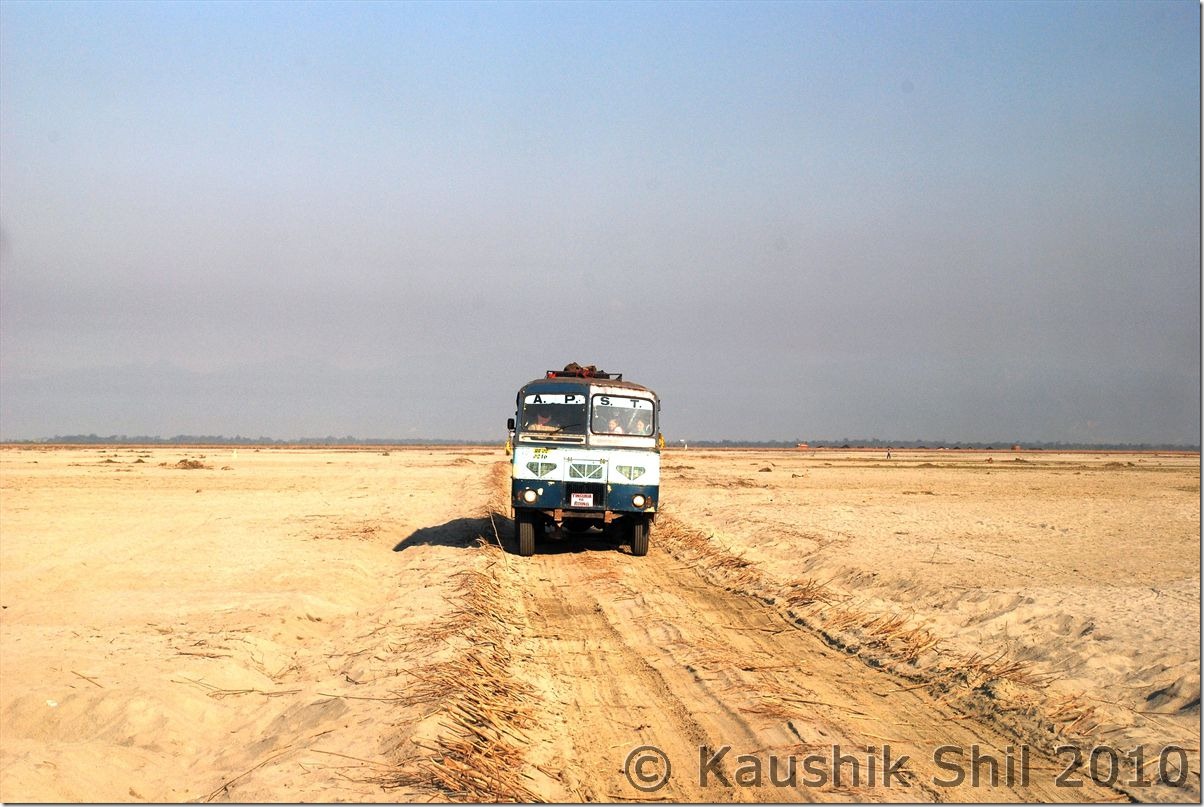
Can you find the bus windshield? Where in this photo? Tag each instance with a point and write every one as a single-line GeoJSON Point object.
{"type": "Point", "coordinates": [620, 414]}
{"type": "Point", "coordinates": [553, 416]}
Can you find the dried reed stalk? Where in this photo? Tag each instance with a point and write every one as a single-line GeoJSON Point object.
{"type": "Point", "coordinates": [482, 708]}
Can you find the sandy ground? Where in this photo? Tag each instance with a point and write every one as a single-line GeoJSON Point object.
{"type": "Point", "coordinates": [1084, 568]}
{"type": "Point", "coordinates": [315, 625]}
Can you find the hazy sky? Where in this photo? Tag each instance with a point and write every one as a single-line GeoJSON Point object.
{"type": "Point", "coordinates": [962, 221]}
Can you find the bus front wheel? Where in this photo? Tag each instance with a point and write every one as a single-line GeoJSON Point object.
{"type": "Point", "coordinates": [639, 537]}
{"type": "Point", "coordinates": [525, 526]}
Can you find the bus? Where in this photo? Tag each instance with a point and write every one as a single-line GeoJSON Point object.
{"type": "Point", "coordinates": [586, 457]}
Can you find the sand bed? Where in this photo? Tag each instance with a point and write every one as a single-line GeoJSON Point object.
{"type": "Point", "coordinates": [253, 625]}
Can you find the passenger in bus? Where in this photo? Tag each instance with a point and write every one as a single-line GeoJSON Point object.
{"type": "Point", "coordinates": [613, 427]}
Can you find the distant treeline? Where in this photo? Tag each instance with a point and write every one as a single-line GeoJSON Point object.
{"type": "Point", "coordinates": [999, 445]}
{"type": "Point", "coordinates": [239, 440]}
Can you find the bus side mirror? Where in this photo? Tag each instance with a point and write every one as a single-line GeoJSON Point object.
{"type": "Point", "coordinates": [510, 424]}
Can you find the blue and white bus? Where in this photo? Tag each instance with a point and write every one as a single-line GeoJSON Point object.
{"type": "Point", "coordinates": [586, 453]}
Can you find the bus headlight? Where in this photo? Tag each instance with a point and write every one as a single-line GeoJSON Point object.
{"type": "Point", "coordinates": [529, 496]}
{"type": "Point", "coordinates": [638, 500]}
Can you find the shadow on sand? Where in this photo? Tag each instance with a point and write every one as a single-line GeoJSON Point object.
{"type": "Point", "coordinates": [463, 533]}
{"type": "Point", "coordinates": [565, 543]}
{"type": "Point", "coordinates": [459, 533]}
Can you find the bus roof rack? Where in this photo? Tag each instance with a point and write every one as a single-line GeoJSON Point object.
{"type": "Point", "coordinates": [575, 370]}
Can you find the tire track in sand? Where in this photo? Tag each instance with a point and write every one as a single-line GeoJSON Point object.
{"type": "Point", "coordinates": [641, 651]}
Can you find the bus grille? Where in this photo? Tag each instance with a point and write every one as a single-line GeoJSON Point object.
{"type": "Point", "coordinates": [586, 470]}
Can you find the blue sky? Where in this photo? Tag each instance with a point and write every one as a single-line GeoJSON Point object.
{"type": "Point", "coordinates": [919, 220]}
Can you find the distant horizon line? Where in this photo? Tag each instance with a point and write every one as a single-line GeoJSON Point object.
{"type": "Point", "coordinates": [840, 443]}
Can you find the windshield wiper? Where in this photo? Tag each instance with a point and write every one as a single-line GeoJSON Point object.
{"type": "Point", "coordinates": [570, 426]}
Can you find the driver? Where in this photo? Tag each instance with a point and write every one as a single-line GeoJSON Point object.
{"type": "Point", "coordinates": [542, 423]}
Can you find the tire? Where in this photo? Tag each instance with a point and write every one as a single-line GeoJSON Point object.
{"type": "Point", "coordinates": [525, 527]}
{"type": "Point", "coordinates": [577, 525]}
{"type": "Point", "coordinates": [639, 537]}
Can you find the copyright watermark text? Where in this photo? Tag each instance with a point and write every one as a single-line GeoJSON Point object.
{"type": "Point", "coordinates": [648, 768]}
